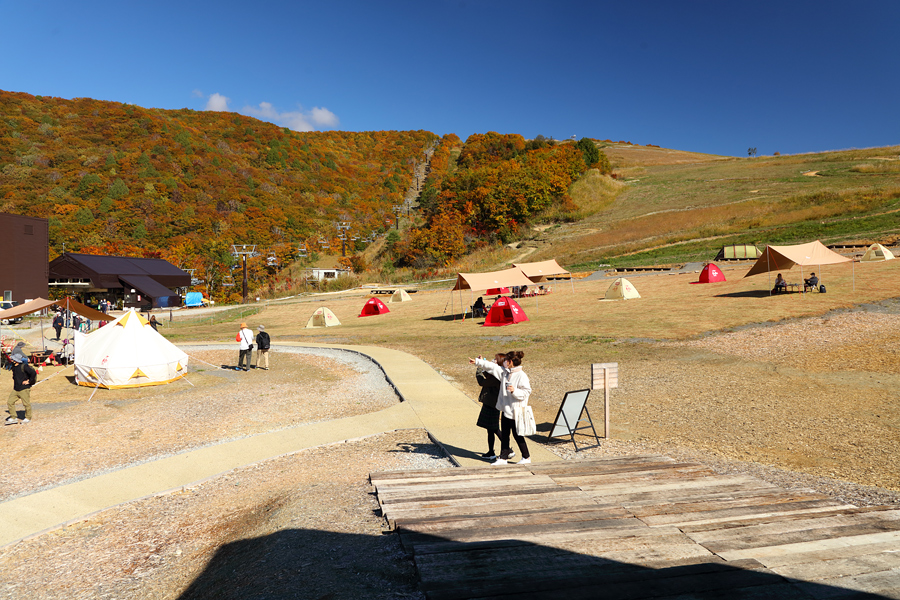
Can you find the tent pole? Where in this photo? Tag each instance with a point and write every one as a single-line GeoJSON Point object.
{"type": "Point", "coordinates": [853, 273]}
{"type": "Point", "coordinates": [768, 271]}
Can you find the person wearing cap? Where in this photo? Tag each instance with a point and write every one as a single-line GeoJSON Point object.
{"type": "Point", "coordinates": [24, 376]}
{"type": "Point", "coordinates": [245, 337]}
{"type": "Point", "coordinates": [262, 347]}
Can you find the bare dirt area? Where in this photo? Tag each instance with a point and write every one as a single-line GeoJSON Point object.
{"type": "Point", "coordinates": [73, 436]}
{"type": "Point", "coordinates": [300, 526]}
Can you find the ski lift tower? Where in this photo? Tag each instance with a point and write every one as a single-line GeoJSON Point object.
{"type": "Point", "coordinates": [342, 228]}
{"type": "Point", "coordinates": [244, 250]}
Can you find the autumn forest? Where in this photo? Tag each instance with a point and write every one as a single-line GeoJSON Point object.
{"type": "Point", "coordinates": [185, 185]}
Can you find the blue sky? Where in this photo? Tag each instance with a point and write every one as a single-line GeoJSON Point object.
{"type": "Point", "coordinates": [715, 77]}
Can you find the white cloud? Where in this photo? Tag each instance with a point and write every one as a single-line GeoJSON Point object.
{"type": "Point", "coordinates": [217, 102]}
{"type": "Point", "coordinates": [300, 120]}
{"type": "Point", "coordinates": [197, 94]}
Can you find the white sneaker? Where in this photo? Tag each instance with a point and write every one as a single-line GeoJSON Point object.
{"type": "Point", "coordinates": [26, 420]}
{"type": "Point", "coordinates": [11, 421]}
{"type": "Point", "coordinates": [500, 461]}
{"type": "Point", "coordinates": [524, 461]}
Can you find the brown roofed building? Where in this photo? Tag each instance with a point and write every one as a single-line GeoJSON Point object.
{"type": "Point", "coordinates": [25, 252]}
{"type": "Point", "coordinates": [124, 280]}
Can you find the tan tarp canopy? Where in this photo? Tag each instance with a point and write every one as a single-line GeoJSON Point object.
{"type": "Point", "coordinates": [495, 279]}
{"type": "Point", "coordinates": [539, 271]}
{"type": "Point", "coordinates": [778, 258]}
{"type": "Point", "coordinates": [26, 309]}
{"type": "Point", "coordinates": [85, 311]}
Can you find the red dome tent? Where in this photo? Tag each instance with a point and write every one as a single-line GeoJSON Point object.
{"type": "Point", "coordinates": [505, 311]}
{"type": "Point", "coordinates": [374, 306]}
{"type": "Point", "coordinates": [710, 274]}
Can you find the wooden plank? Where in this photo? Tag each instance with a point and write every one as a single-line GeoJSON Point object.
{"type": "Point", "coordinates": [782, 554]}
{"type": "Point", "coordinates": [757, 540]}
{"type": "Point", "coordinates": [507, 519]}
{"type": "Point", "coordinates": [571, 576]}
{"type": "Point", "coordinates": [554, 499]}
{"type": "Point", "coordinates": [886, 584]}
{"type": "Point", "coordinates": [474, 493]}
{"type": "Point", "coordinates": [748, 499]}
{"type": "Point", "coordinates": [744, 512]}
{"type": "Point", "coordinates": [522, 531]}
{"type": "Point", "coordinates": [634, 473]}
{"type": "Point", "coordinates": [819, 570]}
{"type": "Point", "coordinates": [598, 465]}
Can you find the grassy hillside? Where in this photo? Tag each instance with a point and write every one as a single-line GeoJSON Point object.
{"type": "Point", "coordinates": [677, 207]}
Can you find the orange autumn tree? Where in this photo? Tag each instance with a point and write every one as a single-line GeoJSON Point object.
{"type": "Point", "coordinates": [502, 181]}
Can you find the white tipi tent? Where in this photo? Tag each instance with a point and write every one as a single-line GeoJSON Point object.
{"type": "Point", "coordinates": [400, 296]}
{"type": "Point", "coordinates": [127, 352]}
{"type": "Point", "coordinates": [877, 252]}
{"type": "Point", "coordinates": [323, 317]}
{"type": "Point", "coordinates": [621, 289]}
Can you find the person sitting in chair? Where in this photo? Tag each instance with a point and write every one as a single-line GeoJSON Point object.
{"type": "Point", "coordinates": [780, 284]}
{"type": "Point", "coordinates": [478, 307]}
{"type": "Point", "coordinates": [811, 283]}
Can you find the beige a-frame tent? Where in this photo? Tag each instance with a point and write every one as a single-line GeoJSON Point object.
{"type": "Point", "coordinates": [399, 296]}
{"type": "Point", "coordinates": [877, 252]}
{"type": "Point", "coordinates": [323, 317]}
{"type": "Point", "coordinates": [621, 289]}
{"type": "Point", "coordinates": [782, 258]}
{"type": "Point", "coordinates": [477, 282]}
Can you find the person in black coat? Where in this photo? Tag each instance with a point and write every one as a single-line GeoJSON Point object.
{"type": "Point", "coordinates": [262, 347]}
{"type": "Point", "coordinates": [489, 417]}
{"type": "Point", "coordinates": [23, 378]}
{"type": "Point", "coordinates": [58, 323]}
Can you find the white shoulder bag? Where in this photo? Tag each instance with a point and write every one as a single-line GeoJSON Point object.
{"type": "Point", "coordinates": [525, 424]}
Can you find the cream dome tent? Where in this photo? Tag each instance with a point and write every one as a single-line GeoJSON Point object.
{"type": "Point", "coordinates": [877, 252]}
{"type": "Point", "coordinates": [399, 296]}
{"type": "Point", "coordinates": [323, 317]}
{"type": "Point", "coordinates": [621, 289]}
{"type": "Point", "coordinates": [127, 352]}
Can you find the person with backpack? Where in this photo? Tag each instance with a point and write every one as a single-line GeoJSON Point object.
{"type": "Point", "coordinates": [262, 347]}
{"type": "Point", "coordinates": [489, 416]}
{"type": "Point", "coordinates": [245, 337]}
{"type": "Point", "coordinates": [24, 376]}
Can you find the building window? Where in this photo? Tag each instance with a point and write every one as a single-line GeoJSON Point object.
{"type": "Point", "coordinates": [7, 296]}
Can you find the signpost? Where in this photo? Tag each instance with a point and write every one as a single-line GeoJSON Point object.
{"type": "Point", "coordinates": [605, 376]}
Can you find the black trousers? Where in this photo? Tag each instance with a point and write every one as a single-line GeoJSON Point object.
{"type": "Point", "coordinates": [508, 426]}
{"type": "Point", "coordinates": [244, 354]}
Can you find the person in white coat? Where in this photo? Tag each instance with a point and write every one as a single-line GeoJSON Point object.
{"type": "Point", "coordinates": [515, 388]}
{"type": "Point", "coordinates": [245, 337]}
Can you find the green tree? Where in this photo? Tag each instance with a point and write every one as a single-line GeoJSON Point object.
{"type": "Point", "coordinates": [590, 151]}
{"type": "Point", "coordinates": [118, 189]}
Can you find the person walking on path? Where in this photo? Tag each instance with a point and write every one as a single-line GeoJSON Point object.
{"type": "Point", "coordinates": [153, 322]}
{"type": "Point", "coordinates": [489, 417]}
{"type": "Point", "coordinates": [515, 388]}
{"type": "Point", "coordinates": [245, 337]}
{"type": "Point", "coordinates": [58, 323]}
{"type": "Point", "coordinates": [262, 347]}
{"type": "Point", "coordinates": [24, 376]}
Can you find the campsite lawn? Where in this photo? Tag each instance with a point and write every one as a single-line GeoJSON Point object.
{"type": "Point", "coordinates": [745, 407]}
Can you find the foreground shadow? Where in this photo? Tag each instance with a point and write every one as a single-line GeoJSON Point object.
{"type": "Point", "coordinates": [750, 294]}
{"type": "Point", "coordinates": [319, 565]}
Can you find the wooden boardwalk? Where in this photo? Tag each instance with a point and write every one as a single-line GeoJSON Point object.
{"type": "Point", "coordinates": [636, 527]}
